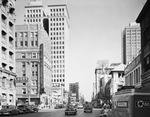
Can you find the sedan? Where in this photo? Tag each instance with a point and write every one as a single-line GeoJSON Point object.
{"type": "Point", "coordinates": [70, 109]}
{"type": "Point", "coordinates": [9, 110]}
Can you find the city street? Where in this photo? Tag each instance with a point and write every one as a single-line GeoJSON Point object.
{"type": "Point", "coordinates": [59, 113]}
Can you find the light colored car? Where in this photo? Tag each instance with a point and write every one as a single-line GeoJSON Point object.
{"type": "Point", "coordinates": [70, 109]}
{"type": "Point", "coordinates": [9, 110]}
{"type": "Point", "coordinates": [80, 106]}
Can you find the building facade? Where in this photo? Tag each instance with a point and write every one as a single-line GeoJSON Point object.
{"type": "Point", "coordinates": [144, 20]}
{"type": "Point", "coordinates": [59, 35]}
{"type": "Point", "coordinates": [7, 53]}
{"type": "Point", "coordinates": [133, 73]}
{"type": "Point", "coordinates": [118, 78]}
{"type": "Point", "coordinates": [74, 91]}
{"type": "Point", "coordinates": [33, 64]}
{"type": "Point", "coordinates": [34, 12]}
{"type": "Point", "coordinates": [131, 42]}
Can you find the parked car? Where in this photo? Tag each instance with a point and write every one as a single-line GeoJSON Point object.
{"type": "Point", "coordinates": [25, 108]}
{"type": "Point", "coordinates": [9, 110]}
{"type": "Point", "coordinates": [34, 108]}
{"type": "Point", "coordinates": [70, 109]}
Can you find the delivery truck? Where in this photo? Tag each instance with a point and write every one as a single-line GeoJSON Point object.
{"type": "Point", "coordinates": [130, 103]}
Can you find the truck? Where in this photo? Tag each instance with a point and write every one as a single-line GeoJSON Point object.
{"type": "Point", "coordinates": [130, 103]}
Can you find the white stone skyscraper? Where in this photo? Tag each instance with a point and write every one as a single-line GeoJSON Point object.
{"type": "Point", "coordinates": [59, 36]}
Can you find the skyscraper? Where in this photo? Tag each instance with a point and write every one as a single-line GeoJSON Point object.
{"type": "Point", "coordinates": [74, 91]}
{"type": "Point", "coordinates": [55, 20]}
{"type": "Point", "coordinates": [131, 42]}
{"type": "Point", "coordinates": [59, 35]}
{"type": "Point", "coordinates": [7, 53]}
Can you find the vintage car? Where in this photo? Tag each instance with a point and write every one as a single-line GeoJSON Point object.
{"type": "Point", "coordinates": [80, 106]}
{"type": "Point", "coordinates": [88, 108]}
{"type": "Point", "coordinates": [25, 108]}
{"type": "Point", "coordinates": [9, 110]}
{"type": "Point", "coordinates": [70, 109]}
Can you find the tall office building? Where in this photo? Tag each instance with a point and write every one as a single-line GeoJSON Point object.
{"type": "Point", "coordinates": [131, 42]}
{"type": "Point", "coordinates": [55, 20]}
{"type": "Point", "coordinates": [74, 91]}
{"type": "Point", "coordinates": [33, 64]}
{"type": "Point", "coordinates": [34, 12]}
{"type": "Point", "coordinates": [59, 35]}
{"type": "Point", "coordinates": [7, 53]}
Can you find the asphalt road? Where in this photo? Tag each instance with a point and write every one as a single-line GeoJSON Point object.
{"type": "Point", "coordinates": [58, 113]}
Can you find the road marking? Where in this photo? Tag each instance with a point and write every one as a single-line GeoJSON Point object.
{"type": "Point", "coordinates": [80, 113]}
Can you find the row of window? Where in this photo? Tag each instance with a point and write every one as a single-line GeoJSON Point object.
{"type": "Point", "coordinates": [33, 64]}
{"type": "Point", "coordinates": [58, 80]}
{"type": "Point", "coordinates": [57, 19]}
{"type": "Point", "coordinates": [57, 33]}
{"type": "Point", "coordinates": [34, 73]}
{"type": "Point", "coordinates": [58, 66]}
{"type": "Point", "coordinates": [133, 30]}
{"type": "Point", "coordinates": [25, 34]}
{"type": "Point", "coordinates": [60, 28]}
{"type": "Point", "coordinates": [5, 82]}
{"type": "Point", "coordinates": [29, 55]}
{"type": "Point", "coordinates": [56, 38]}
{"type": "Point", "coordinates": [34, 11]}
{"type": "Point", "coordinates": [57, 10]}
{"type": "Point", "coordinates": [34, 15]}
{"type": "Point", "coordinates": [58, 57]}
{"type": "Point", "coordinates": [57, 52]}
{"type": "Point", "coordinates": [57, 43]}
{"type": "Point", "coordinates": [57, 14]}
{"type": "Point", "coordinates": [57, 47]}
{"type": "Point", "coordinates": [26, 43]}
{"type": "Point", "coordinates": [59, 71]}
{"type": "Point", "coordinates": [32, 91]}
{"type": "Point", "coordinates": [33, 20]}
{"type": "Point", "coordinates": [57, 24]}
{"type": "Point", "coordinates": [134, 77]}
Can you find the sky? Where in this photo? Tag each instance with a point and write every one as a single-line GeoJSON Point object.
{"type": "Point", "coordinates": [95, 34]}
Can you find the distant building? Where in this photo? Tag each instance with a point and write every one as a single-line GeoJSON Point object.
{"type": "Point", "coordinates": [133, 73]}
{"type": "Point", "coordinates": [74, 91]}
{"type": "Point", "coordinates": [118, 78]}
{"type": "Point", "coordinates": [100, 70]}
{"type": "Point", "coordinates": [144, 20]}
{"type": "Point", "coordinates": [7, 53]}
{"type": "Point", "coordinates": [33, 64]}
{"type": "Point", "coordinates": [34, 12]}
{"type": "Point", "coordinates": [131, 42]}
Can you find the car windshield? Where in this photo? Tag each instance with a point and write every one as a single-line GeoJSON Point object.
{"type": "Point", "coordinates": [6, 106]}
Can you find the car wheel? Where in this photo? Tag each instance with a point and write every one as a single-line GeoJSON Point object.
{"type": "Point", "coordinates": [66, 113]}
{"type": "Point", "coordinates": [10, 113]}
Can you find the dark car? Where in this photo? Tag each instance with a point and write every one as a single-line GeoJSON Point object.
{"type": "Point", "coordinates": [9, 110]}
{"type": "Point", "coordinates": [70, 109]}
{"type": "Point", "coordinates": [88, 108]}
{"type": "Point", "coordinates": [25, 108]}
{"type": "Point", "coordinates": [34, 108]}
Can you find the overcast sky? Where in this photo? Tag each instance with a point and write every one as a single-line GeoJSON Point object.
{"type": "Point", "coordinates": [95, 34]}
